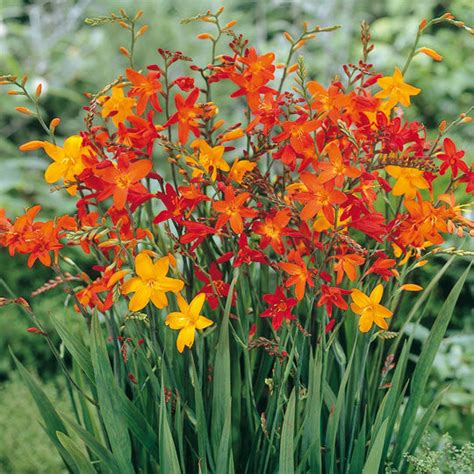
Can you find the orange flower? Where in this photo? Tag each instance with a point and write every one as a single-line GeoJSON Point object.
{"type": "Point", "coordinates": [319, 197]}
{"type": "Point", "coordinates": [272, 229]}
{"type": "Point", "coordinates": [409, 180]}
{"type": "Point", "coordinates": [117, 106]}
{"type": "Point", "coordinates": [186, 116]}
{"type": "Point", "coordinates": [299, 274]}
{"type": "Point", "coordinates": [369, 309]}
{"type": "Point", "coordinates": [347, 264]}
{"type": "Point", "coordinates": [299, 134]}
{"type": "Point", "coordinates": [232, 210]}
{"type": "Point", "coordinates": [336, 169]}
{"type": "Point", "coordinates": [395, 89]}
{"type": "Point", "coordinates": [122, 177]}
{"type": "Point", "coordinates": [146, 88]}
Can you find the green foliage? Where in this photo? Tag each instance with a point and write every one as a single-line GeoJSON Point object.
{"type": "Point", "coordinates": [162, 421]}
{"type": "Point", "coordinates": [25, 448]}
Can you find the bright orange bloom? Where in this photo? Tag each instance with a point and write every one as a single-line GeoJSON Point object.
{"type": "Point", "coordinates": [117, 106]}
{"type": "Point", "coordinates": [151, 283]}
{"type": "Point", "coordinates": [186, 116]}
{"type": "Point", "coordinates": [299, 274]}
{"type": "Point", "coordinates": [327, 102]}
{"type": "Point", "coordinates": [36, 239]}
{"type": "Point", "coordinates": [336, 169]}
{"type": "Point", "coordinates": [209, 158]}
{"type": "Point", "coordinates": [272, 229]}
{"type": "Point", "coordinates": [369, 309]}
{"type": "Point", "coordinates": [319, 197]}
{"type": "Point", "coordinates": [146, 88]}
{"type": "Point", "coordinates": [409, 180]}
{"type": "Point", "coordinates": [347, 264]}
{"type": "Point", "coordinates": [298, 133]}
{"type": "Point", "coordinates": [187, 320]}
{"type": "Point", "coordinates": [395, 89]}
{"type": "Point", "coordinates": [232, 210]}
{"type": "Point", "coordinates": [122, 177]}
{"type": "Point", "coordinates": [424, 224]}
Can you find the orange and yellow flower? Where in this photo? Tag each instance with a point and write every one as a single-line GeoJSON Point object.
{"type": "Point", "coordinates": [187, 320]}
{"type": "Point", "coordinates": [396, 89]}
{"type": "Point", "coordinates": [369, 309]}
{"type": "Point", "coordinates": [151, 283]}
{"type": "Point", "coordinates": [409, 181]}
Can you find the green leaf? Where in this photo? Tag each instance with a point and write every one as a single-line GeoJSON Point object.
{"type": "Point", "coordinates": [358, 455]}
{"type": "Point", "coordinates": [168, 457]}
{"type": "Point", "coordinates": [423, 423]}
{"type": "Point", "coordinates": [52, 420]}
{"type": "Point", "coordinates": [334, 417]}
{"type": "Point", "coordinates": [110, 404]}
{"type": "Point", "coordinates": [287, 449]}
{"type": "Point", "coordinates": [201, 424]}
{"type": "Point", "coordinates": [374, 459]}
{"type": "Point", "coordinates": [82, 464]}
{"type": "Point", "coordinates": [423, 367]}
{"type": "Point", "coordinates": [108, 462]}
{"type": "Point", "coordinates": [75, 346]}
{"type": "Point", "coordinates": [312, 421]}
{"type": "Point", "coordinates": [222, 464]}
{"type": "Point", "coordinates": [221, 387]}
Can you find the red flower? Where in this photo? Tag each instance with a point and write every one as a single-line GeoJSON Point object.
{"type": "Point", "coordinates": [146, 88]}
{"type": "Point", "coordinates": [186, 116]}
{"type": "Point", "coordinates": [333, 296]}
{"type": "Point", "coordinates": [280, 308]}
{"type": "Point", "coordinates": [452, 158]}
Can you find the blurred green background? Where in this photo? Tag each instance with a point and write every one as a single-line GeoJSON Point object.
{"type": "Point", "coordinates": [49, 41]}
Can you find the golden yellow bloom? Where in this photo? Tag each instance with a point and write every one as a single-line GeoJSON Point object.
{"type": "Point", "coordinates": [395, 89]}
{"type": "Point", "coordinates": [209, 159]}
{"type": "Point", "coordinates": [369, 309]}
{"type": "Point", "coordinates": [117, 105]}
{"type": "Point", "coordinates": [409, 180]}
{"type": "Point", "coordinates": [239, 168]}
{"type": "Point", "coordinates": [151, 283]}
{"type": "Point", "coordinates": [187, 320]}
{"type": "Point", "coordinates": [67, 161]}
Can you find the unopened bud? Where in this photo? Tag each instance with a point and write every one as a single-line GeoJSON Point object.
{"type": "Point", "coordinates": [38, 90]}
{"type": "Point", "coordinates": [24, 110]}
{"type": "Point", "coordinates": [54, 123]}
{"type": "Point", "coordinates": [124, 51]}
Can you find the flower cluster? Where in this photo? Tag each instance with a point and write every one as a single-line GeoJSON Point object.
{"type": "Point", "coordinates": [327, 190]}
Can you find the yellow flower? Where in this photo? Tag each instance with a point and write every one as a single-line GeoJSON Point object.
{"type": "Point", "coordinates": [369, 309]}
{"type": "Point", "coordinates": [151, 283]}
{"type": "Point", "coordinates": [409, 180]}
{"type": "Point", "coordinates": [187, 320]}
{"type": "Point", "coordinates": [118, 105]}
{"type": "Point", "coordinates": [209, 158]}
{"type": "Point", "coordinates": [67, 161]}
{"type": "Point", "coordinates": [396, 89]}
{"type": "Point", "coordinates": [239, 168]}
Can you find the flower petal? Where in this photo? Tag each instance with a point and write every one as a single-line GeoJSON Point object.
{"type": "Point", "coordinates": [185, 338]}
{"type": "Point", "coordinates": [140, 299]}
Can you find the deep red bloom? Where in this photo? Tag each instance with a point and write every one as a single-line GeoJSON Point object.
{"type": "Point", "coordinates": [452, 158]}
{"type": "Point", "coordinates": [280, 308]}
